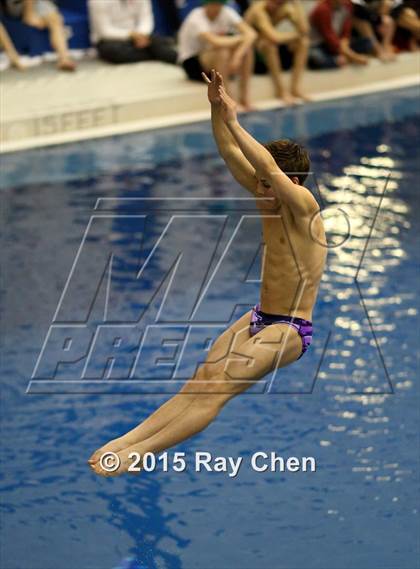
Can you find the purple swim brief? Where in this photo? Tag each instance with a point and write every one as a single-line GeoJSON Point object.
{"type": "Point", "coordinates": [260, 320]}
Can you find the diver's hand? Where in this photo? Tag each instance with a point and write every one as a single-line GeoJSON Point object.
{"type": "Point", "coordinates": [229, 106]}
{"type": "Point", "coordinates": [214, 83]}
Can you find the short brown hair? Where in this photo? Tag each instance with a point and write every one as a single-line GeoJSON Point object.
{"type": "Point", "coordinates": [291, 157]}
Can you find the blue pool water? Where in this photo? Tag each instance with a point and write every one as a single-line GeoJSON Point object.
{"type": "Point", "coordinates": [351, 402]}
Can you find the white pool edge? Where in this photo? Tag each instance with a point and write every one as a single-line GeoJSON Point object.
{"type": "Point", "coordinates": [117, 129]}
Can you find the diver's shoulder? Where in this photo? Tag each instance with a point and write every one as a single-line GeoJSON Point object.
{"type": "Point", "coordinates": [310, 201]}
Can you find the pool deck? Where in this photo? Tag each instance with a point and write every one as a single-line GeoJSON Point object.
{"type": "Point", "coordinates": [43, 107]}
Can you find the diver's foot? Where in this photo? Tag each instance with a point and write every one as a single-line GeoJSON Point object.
{"type": "Point", "coordinates": [127, 460]}
{"type": "Point", "coordinates": [114, 446]}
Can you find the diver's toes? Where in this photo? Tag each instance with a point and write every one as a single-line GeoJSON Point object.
{"type": "Point", "coordinates": [95, 456]}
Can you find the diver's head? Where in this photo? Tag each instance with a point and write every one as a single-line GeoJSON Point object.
{"type": "Point", "coordinates": [290, 157]}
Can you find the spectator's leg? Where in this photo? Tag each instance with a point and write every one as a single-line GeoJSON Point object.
{"type": "Point", "coordinates": [300, 49]}
{"type": "Point", "coordinates": [54, 23]}
{"type": "Point", "coordinates": [387, 32]}
{"type": "Point", "coordinates": [320, 58]}
{"type": "Point", "coordinates": [219, 59]}
{"type": "Point", "coordinates": [413, 44]}
{"type": "Point", "coordinates": [409, 20]}
{"type": "Point", "coordinates": [122, 51]}
{"type": "Point", "coordinates": [272, 60]}
{"type": "Point", "coordinates": [7, 44]}
{"type": "Point", "coordinates": [246, 70]}
{"type": "Point", "coordinates": [31, 18]}
{"type": "Point", "coordinates": [162, 50]}
{"type": "Point", "coordinates": [365, 29]}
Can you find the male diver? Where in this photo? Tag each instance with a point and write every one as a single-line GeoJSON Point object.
{"type": "Point", "coordinates": [278, 330]}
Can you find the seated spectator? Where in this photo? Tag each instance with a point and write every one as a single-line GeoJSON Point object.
{"type": "Point", "coordinates": [7, 45]}
{"type": "Point", "coordinates": [373, 20]}
{"type": "Point", "coordinates": [407, 17]}
{"type": "Point", "coordinates": [214, 36]}
{"type": "Point", "coordinates": [122, 32]}
{"type": "Point", "coordinates": [331, 44]}
{"type": "Point", "coordinates": [44, 15]}
{"type": "Point", "coordinates": [281, 50]}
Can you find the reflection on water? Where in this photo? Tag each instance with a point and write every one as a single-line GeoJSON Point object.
{"type": "Point", "coordinates": [377, 214]}
{"type": "Point", "coordinates": [358, 510]}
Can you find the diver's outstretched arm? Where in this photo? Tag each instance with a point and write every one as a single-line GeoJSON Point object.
{"type": "Point", "coordinates": [229, 150]}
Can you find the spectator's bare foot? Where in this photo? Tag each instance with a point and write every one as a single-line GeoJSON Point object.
{"type": "Point", "coordinates": [358, 59]}
{"type": "Point", "coordinates": [246, 107]}
{"type": "Point", "coordinates": [17, 64]}
{"type": "Point", "coordinates": [341, 60]}
{"type": "Point", "coordinates": [413, 45]}
{"type": "Point", "coordinates": [286, 97]}
{"type": "Point", "coordinates": [67, 65]}
{"type": "Point", "coordinates": [298, 94]}
{"type": "Point", "coordinates": [388, 56]}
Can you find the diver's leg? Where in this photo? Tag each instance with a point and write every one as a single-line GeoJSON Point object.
{"type": "Point", "coordinates": [276, 346]}
{"type": "Point", "coordinates": [236, 335]}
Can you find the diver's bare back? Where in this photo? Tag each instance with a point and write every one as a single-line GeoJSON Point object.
{"type": "Point", "coordinates": [293, 260]}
